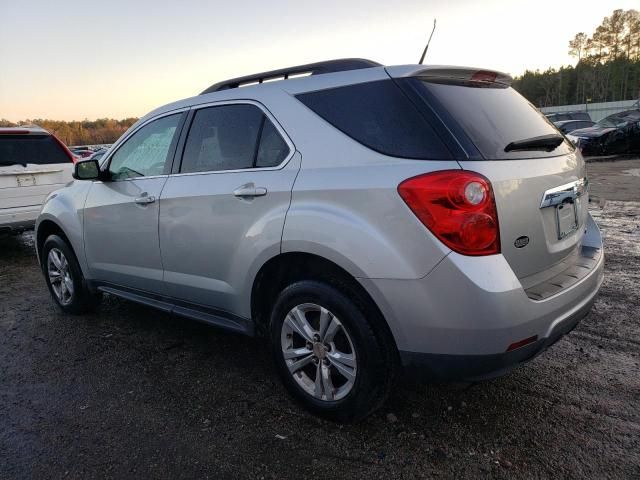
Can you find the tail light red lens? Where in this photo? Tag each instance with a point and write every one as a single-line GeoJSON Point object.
{"type": "Point", "coordinates": [484, 76]}
{"type": "Point", "coordinates": [458, 207]}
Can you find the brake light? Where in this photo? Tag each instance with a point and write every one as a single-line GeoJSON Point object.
{"type": "Point", "coordinates": [458, 207]}
{"type": "Point", "coordinates": [13, 132]}
{"type": "Point", "coordinates": [484, 76]}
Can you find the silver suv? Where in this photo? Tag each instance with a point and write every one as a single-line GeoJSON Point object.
{"type": "Point", "coordinates": [366, 220]}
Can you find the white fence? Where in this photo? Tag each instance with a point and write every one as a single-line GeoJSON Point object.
{"type": "Point", "coordinates": [597, 111]}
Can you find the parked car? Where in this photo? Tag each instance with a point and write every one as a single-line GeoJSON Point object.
{"type": "Point", "coordinates": [617, 133]}
{"type": "Point", "coordinates": [82, 152]}
{"type": "Point", "coordinates": [558, 117]}
{"type": "Point", "coordinates": [33, 163]}
{"type": "Point", "coordinates": [99, 153]}
{"type": "Point", "coordinates": [568, 126]}
{"type": "Point", "coordinates": [363, 220]}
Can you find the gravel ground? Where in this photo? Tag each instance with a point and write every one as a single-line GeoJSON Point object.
{"type": "Point", "coordinates": [130, 391]}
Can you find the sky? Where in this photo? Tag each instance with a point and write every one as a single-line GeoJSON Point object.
{"type": "Point", "coordinates": [71, 60]}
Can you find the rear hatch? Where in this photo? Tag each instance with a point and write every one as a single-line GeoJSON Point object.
{"type": "Point", "coordinates": [538, 177]}
{"type": "Point", "coordinates": [32, 164]}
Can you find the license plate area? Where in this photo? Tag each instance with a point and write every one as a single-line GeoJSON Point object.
{"type": "Point", "coordinates": [566, 218]}
{"type": "Point", "coordinates": [26, 180]}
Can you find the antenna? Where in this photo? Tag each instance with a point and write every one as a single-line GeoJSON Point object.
{"type": "Point", "coordinates": [427, 47]}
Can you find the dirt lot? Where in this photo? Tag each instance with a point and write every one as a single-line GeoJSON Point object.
{"type": "Point", "coordinates": [618, 180]}
{"type": "Point", "coordinates": [129, 391]}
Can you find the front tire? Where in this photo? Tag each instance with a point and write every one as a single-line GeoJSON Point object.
{"type": "Point", "coordinates": [327, 352]}
{"type": "Point", "coordinates": [64, 278]}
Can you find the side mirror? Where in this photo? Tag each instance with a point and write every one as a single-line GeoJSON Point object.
{"type": "Point", "coordinates": [86, 170]}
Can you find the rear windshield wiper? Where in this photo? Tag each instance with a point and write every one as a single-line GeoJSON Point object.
{"type": "Point", "coordinates": [543, 142]}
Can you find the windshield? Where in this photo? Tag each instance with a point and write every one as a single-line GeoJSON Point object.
{"type": "Point", "coordinates": [611, 122]}
{"type": "Point", "coordinates": [494, 116]}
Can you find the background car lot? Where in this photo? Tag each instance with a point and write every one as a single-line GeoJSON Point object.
{"type": "Point", "coordinates": [131, 391]}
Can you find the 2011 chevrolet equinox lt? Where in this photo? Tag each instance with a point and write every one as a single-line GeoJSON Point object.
{"type": "Point", "coordinates": [364, 219]}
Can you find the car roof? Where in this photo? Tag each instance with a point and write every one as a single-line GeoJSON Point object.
{"type": "Point", "coordinates": [322, 75]}
{"type": "Point", "coordinates": [628, 113]}
{"type": "Point", "coordinates": [24, 130]}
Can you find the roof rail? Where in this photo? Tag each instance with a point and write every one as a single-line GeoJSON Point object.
{"type": "Point", "coordinates": [329, 66]}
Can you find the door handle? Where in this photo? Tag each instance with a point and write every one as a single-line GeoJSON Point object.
{"type": "Point", "coordinates": [250, 190]}
{"type": "Point", "coordinates": [145, 199]}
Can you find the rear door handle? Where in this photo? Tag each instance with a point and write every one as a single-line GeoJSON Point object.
{"type": "Point", "coordinates": [145, 199]}
{"type": "Point", "coordinates": [250, 190]}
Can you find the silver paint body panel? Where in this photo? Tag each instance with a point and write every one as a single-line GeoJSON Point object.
{"type": "Point", "coordinates": [336, 199]}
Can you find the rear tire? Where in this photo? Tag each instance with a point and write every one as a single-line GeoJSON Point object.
{"type": "Point", "coordinates": [64, 278]}
{"type": "Point", "coordinates": [327, 352]}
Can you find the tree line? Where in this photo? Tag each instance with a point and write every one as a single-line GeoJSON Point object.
{"type": "Point", "coordinates": [607, 68]}
{"type": "Point", "coordinates": [86, 132]}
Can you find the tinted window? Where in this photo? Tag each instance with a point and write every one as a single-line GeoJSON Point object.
{"type": "Point", "coordinates": [379, 116]}
{"type": "Point", "coordinates": [273, 149]}
{"type": "Point", "coordinates": [232, 137]}
{"type": "Point", "coordinates": [493, 116]}
{"type": "Point", "coordinates": [31, 149]}
{"type": "Point", "coordinates": [147, 151]}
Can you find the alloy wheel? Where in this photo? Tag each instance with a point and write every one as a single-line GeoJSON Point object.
{"type": "Point", "coordinates": [319, 352]}
{"type": "Point", "coordinates": [60, 277]}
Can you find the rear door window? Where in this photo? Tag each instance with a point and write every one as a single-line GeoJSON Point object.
{"type": "Point", "coordinates": [31, 149]}
{"type": "Point", "coordinates": [380, 116]}
{"type": "Point", "coordinates": [232, 137]}
{"type": "Point", "coordinates": [492, 116]}
{"type": "Point", "coordinates": [273, 149]}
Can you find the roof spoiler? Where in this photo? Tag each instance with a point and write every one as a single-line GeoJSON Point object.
{"type": "Point", "coordinates": [329, 66]}
{"type": "Point", "coordinates": [445, 72]}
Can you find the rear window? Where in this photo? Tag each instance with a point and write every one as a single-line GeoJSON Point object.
{"type": "Point", "coordinates": [492, 117]}
{"type": "Point", "coordinates": [379, 116]}
{"type": "Point", "coordinates": [31, 149]}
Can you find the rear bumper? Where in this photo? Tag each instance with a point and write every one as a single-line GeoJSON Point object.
{"type": "Point", "coordinates": [439, 367]}
{"type": "Point", "coordinates": [17, 219]}
{"type": "Point", "coordinates": [458, 322]}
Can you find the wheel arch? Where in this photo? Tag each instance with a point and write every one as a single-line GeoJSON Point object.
{"type": "Point", "coordinates": [287, 268]}
{"type": "Point", "coordinates": [46, 228]}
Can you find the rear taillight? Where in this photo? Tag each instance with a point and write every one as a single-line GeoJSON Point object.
{"type": "Point", "coordinates": [458, 207]}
